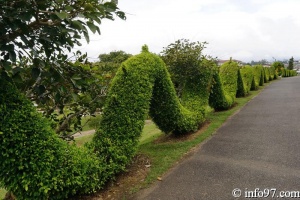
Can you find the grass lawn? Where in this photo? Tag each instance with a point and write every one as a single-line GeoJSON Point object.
{"type": "Point", "coordinates": [150, 132]}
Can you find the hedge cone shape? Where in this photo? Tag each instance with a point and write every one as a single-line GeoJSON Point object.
{"type": "Point", "coordinates": [245, 80]}
{"type": "Point", "coordinates": [224, 89]}
{"type": "Point", "coordinates": [266, 74]}
{"type": "Point", "coordinates": [258, 76]}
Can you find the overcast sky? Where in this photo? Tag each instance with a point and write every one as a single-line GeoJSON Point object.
{"type": "Point", "coordinates": [242, 29]}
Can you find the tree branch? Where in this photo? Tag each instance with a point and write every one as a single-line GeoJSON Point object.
{"type": "Point", "coordinates": [66, 122]}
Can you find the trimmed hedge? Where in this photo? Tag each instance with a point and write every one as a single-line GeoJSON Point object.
{"type": "Point", "coordinates": [266, 74]}
{"type": "Point", "coordinates": [36, 164]}
{"type": "Point", "coordinates": [258, 76]}
{"type": "Point", "coordinates": [241, 86]}
{"type": "Point", "coordinates": [245, 80]}
{"type": "Point", "coordinates": [223, 92]}
{"type": "Point", "coordinates": [287, 73]}
{"type": "Point", "coordinates": [272, 73]}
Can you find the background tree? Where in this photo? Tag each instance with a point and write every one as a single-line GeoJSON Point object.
{"type": "Point", "coordinates": [260, 62]}
{"type": "Point", "coordinates": [291, 63]}
{"type": "Point", "coordinates": [35, 40]}
{"type": "Point", "coordinates": [183, 59]}
{"type": "Point", "coordinates": [109, 63]}
{"type": "Point", "coordinates": [278, 66]}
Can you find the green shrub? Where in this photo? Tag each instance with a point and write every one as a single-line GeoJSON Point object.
{"type": "Point", "coordinates": [293, 73]}
{"type": "Point", "coordinates": [284, 72]}
{"type": "Point", "coordinates": [35, 163]}
{"type": "Point", "coordinates": [266, 74]}
{"type": "Point", "coordinates": [217, 98]}
{"type": "Point", "coordinates": [195, 94]}
{"type": "Point", "coordinates": [241, 86]}
{"type": "Point", "coordinates": [224, 88]}
{"type": "Point", "coordinates": [245, 80]}
{"type": "Point", "coordinates": [258, 76]}
{"type": "Point", "coordinates": [272, 73]}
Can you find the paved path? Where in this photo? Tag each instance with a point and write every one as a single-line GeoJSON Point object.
{"type": "Point", "coordinates": [259, 147]}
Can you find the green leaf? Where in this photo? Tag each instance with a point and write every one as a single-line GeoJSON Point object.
{"type": "Point", "coordinates": [62, 15]}
{"type": "Point", "coordinates": [93, 28]}
{"type": "Point", "coordinates": [77, 24]}
{"type": "Point", "coordinates": [69, 8]}
{"type": "Point", "coordinates": [76, 77]}
{"type": "Point", "coordinates": [35, 72]}
{"type": "Point", "coordinates": [41, 89]}
{"type": "Point", "coordinates": [87, 37]}
{"type": "Point", "coordinates": [1, 133]}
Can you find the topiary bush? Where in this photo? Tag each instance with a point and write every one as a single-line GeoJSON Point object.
{"type": "Point", "coordinates": [258, 76]}
{"type": "Point", "coordinates": [272, 73]}
{"type": "Point", "coordinates": [36, 164]}
{"type": "Point", "coordinates": [245, 80]}
{"type": "Point", "coordinates": [195, 94]}
{"type": "Point", "coordinates": [266, 72]}
{"type": "Point", "coordinates": [284, 72]}
{"type": "Point", "coordinates": [223, 92]}
{"type": "Point", "coordinates": [293, 73]}
{"type": "Point", "coordinates": [241, 86]}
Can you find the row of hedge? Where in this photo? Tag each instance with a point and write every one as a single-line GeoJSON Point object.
{"type": "Point", "coordinates": [36, 164]}
{"type": "Point", "coordinates": [288, 73]}
{"type": "Point", "coordinates": [233, 81]}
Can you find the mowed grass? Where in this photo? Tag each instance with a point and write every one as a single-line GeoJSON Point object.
{"type": "Point", "coordinates": [2, 193]}
{"type": "Point", "coordinates": [150, 132]}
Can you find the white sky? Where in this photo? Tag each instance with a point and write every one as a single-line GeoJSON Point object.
{"type": "Point", "coordinates": [242, 29]}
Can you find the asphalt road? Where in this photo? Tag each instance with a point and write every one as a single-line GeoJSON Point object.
{"type": "Point", "coordinates": [258, 148]}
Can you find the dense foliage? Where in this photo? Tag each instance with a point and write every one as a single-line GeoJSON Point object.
{"type": "Point", "coordinates": [45, 167]}
{"type": "Point", "coordinates": [224, 90]}
{"type": "Point", "coordinates": [288, 73]}
{"type": "Point", "coordinates": [245, 80]}
{"type": "Point", "coordinates": [183, 59]}
{"type": "Point", "coordinates": [258, 75]}
{"type": "Point", "coordinates": [36, 38]}
{"type": "Point", "coordinates": [35, 163]}
{"type": "Point", "coordinates": [273, 74]}
{"type": "Point", "coordinates": [278, 67]}
{"type": "Point", "coordinates": [266, 74]}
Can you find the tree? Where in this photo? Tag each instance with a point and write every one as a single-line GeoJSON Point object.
{"type": "Point", "coordinates": [260, 62]}
{"type": "Point", "coordinates": [278, 66]}
{"type": "Point", "coordinates": [291, 63]}
{"type": "Point", "coordinates": [35, 38]}
{"type": "Point", "coordinates": [183, 59]}
{"type": "Point", "coordinates": [109, 63]}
